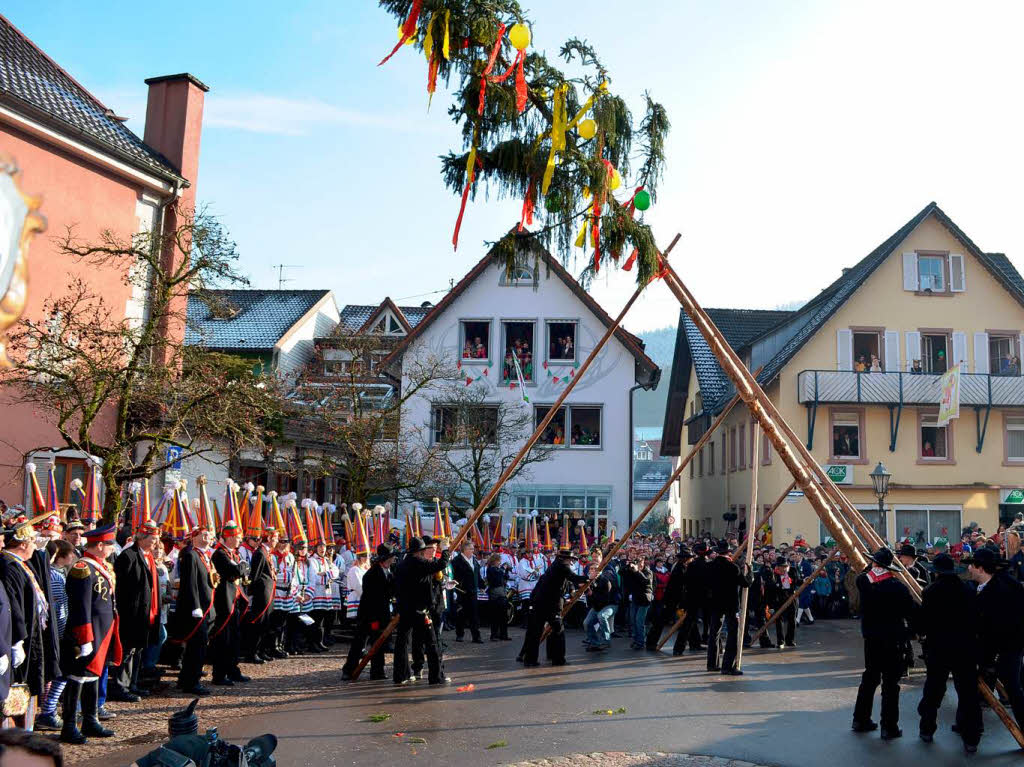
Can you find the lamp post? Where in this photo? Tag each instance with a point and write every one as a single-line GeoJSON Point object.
{"type": "Point", "coordinates": [880, 477]}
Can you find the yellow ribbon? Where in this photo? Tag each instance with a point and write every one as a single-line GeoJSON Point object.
{"type": "Point", "coordinates": [558, 119]}
{"type": "Point", "coordinates": [428, 41]}
{"type": "Point", "coordinates": [444, 46]}
{"type": "Point", "coordinates": [601, 89]}
{"type": "Point", "coordinates": [582, 236]}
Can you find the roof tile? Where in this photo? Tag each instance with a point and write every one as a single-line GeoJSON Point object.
{"type": "Point", "coordinates": [253, 320]}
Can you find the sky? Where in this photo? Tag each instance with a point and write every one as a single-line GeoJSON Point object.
{"type": "Point", "coordinates": [803, 133]}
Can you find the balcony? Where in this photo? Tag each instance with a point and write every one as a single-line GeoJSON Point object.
{"type": "Point", "coordinates": [894, 390]}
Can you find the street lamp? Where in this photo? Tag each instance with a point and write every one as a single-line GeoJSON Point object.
{"type": "Point", "coordinates": [880, 481]}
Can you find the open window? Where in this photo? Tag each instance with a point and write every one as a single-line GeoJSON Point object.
{"type": "Point", "coordinates": [935, 352]}
{"type": "Point", "coordinates": [1003, 359]}
{"type": "Point", "coordinates": [867, 351]}
{"type": "Point", "coordinates": [518, 350]}
{"type": "Point", "coordinates": [847, 436]}
{"type": "Point", "coordinates": [561, 341]}
{"type": "Point", "coordinates": [934, 441]}
{"type": "Point", "coordinates": [444, 425]}
{"type": "Point", "coordinates": [475, 340]}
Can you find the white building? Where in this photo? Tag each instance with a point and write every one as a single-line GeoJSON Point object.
{"type": "Point", "coordinates": [540, 304]}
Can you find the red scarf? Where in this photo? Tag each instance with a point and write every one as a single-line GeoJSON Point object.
{"type": "Point", "coordinates": [154, 591]}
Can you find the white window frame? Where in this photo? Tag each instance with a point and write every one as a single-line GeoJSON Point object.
{"type": "Point", "coordinates": [942, 261]}
{"type": "Point", "coordinates": [1012, 422]}
{"type": "Point", "coordinates": [462, 341]}
{"type": "Point", "coordinates": [575, 341]}
{"type": "Point", "coordinates": [500, 358]}
{"type": "Point", "coordinates": [543, 409]}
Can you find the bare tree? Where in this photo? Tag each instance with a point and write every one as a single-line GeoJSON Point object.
{"type": "Point", "coordinates": [125, 388]}
{"type": "Point", "coordinates": [473, 440]}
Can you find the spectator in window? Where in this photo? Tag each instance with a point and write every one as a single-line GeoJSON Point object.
{"type": "Point", "coordinates": [468, 351]}
{"type": "Point", "coordinates": [559, 438]}
{"type": "Point", "coordinates": [861, 365]}
{"type": "Point", "coordinates": [915, 368]}
{"type": "Point", "coordinates": [1010, 366]}
{"type": "Point", "coordinates": [509, 369]}
{"type": "Point", "coordinates": [567, 350]}
{"type": "Point", "coordinates": [481, 350]}
{"type": "Point", "coordinates": [876, 364]}
{"type": "Point", "coordinates": [577, 433]}
{"type": "Point", "coordinates": [528, 366]}
{"type": "Point", "coordinates": [927, 451]}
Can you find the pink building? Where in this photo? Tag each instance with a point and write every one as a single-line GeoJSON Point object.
{"type": "Point", "coordinates": [93, 174]}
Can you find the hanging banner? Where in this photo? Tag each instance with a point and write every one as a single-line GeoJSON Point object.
{"type": "Point", "coordinates": [949, 396]}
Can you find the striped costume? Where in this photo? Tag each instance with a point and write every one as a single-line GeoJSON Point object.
{"type": "Point", "coordinates": [286, 587]}
{"type": "Point", "coordinates": [305, 586]}
{"type": "Point", "coordinates": [320, 578]}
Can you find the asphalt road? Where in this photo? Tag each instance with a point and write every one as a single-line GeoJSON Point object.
{"type": "Point", "coordinates": [792, 707]}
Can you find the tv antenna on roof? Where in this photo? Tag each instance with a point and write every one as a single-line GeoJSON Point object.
{"type": "Point", "coordinates": [281, 279]}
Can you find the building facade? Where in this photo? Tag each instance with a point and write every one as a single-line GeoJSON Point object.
{"type": "Point", "coordinates": [856, 373]}
{"type": "Point", "coordinates": [93, 175]}
{"type": "Point", "coordinates": [518, 335]}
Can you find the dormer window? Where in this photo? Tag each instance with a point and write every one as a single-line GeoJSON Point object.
{"type": "Point", "coordinates": [931, 273]}
{"type": "Point", "coordinates": [388, 326]}
{"type": "Point", "coordinates": [519, 274]}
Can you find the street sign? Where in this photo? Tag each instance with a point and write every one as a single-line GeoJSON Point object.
{"type": "Point", "coordinates": [174, 457]}
{"type": "Point", "coordinates": [840, 473]}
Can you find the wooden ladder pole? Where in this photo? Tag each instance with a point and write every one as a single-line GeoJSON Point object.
{"type": "Point", "coordinates": [751, 520]}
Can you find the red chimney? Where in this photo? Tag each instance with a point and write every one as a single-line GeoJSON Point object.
{"type": "Point", "coordinates": [174, 122]}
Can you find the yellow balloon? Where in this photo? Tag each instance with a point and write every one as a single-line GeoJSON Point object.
{"type": "Point", "coordinates": [616, 181]}
{"type": "Point", "coordinates": [587, 129]}
{"type": "Point", "coordinates": [519, 36]}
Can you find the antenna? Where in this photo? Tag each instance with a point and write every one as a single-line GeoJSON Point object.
{"type": "Point", "coordinates": [281, 280]}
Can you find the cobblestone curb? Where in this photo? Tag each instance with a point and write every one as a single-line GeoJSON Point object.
{"type": "Point", "coordinates": [621, 759]}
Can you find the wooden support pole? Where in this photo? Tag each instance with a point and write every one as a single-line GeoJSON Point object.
{"type": "Point", "coordinates": [793, 598]}
{"type": "Point", "coordinates": [675, 627]}
{"type": "Point", "coordinates": [527, 446]}
{"type": "Point", "coordinates": [764, 521]}
{"type": "Point", "coordinates": [752, 519]}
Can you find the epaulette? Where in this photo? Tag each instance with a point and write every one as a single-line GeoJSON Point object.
{"type": "Point", "coordinates": [80, 570]}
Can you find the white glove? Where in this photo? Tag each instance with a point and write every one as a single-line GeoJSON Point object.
{"type": "Point", "coordinates": [85, 649]}
{"type": "Point", "coordinates": [5, 663]}
{"type": "Point", "coordinates": [19, 653]}
{"type": "Point", "coordinates": [197, 613]}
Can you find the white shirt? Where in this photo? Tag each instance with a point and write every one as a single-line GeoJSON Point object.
{"type": "Point", "coordinates": [354, 581]}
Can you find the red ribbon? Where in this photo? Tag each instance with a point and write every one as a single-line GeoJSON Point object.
{"type": "Point", "coordinates": [631, 208]}
{"type": "Point", "coordinates": [528, 205]}
{"type": "Point", "coordinates": [631, 260]}
{"type": "Point", "coordinates": [408, 28]}
{"type": "Point", "coordinates": [462, 206]}
{"type": "Point", "coordinates": [490, 66]}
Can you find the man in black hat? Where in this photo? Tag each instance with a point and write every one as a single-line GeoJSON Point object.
{"type": "Point", "coordinates": [696, 593]}
{"type": "Point", "coordinates": [374, 613]}
{"type": "Point", "coordinates": [1000, 626]}
{"type": "Point", "coordinates": [229, 601]}
{"type": "Point", "coordinates": [415, 596]}
{"type": "Point", "coordinates": [254, 623]}
{"type": "Point", "coordinates": [907, 555]}
{"type": "Point", "coordinates": [91, 639]}
{"type": "Point", "coordinates": [546, 608]}
{"type": "Point", "coordinates": [675, 593]}
{"type": "Point", "coordinates": [949, 622]}
{"type": "Point", "coordinates": [887, 612]}
{"type": "Point", "coordinates": [785, 580]}
{"type": "Point", "coordinates": [726, 578]}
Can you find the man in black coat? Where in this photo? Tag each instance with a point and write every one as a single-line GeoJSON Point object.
{"type": "Point", "coordinates": [1000, 626]}
{"type": "Point", "coordinates": [887, 611]}
{"type": "Point", "coordinates": [546, 608]}
{"type": "Point", "coordinates": [262, 581]}
{"type": "Point", "coordinates": [138, 608]}
{"type": "Point", "coordinates": [725, 578]}
{"type": "Point", "coordinates": [416, 599]}
{"type": "Point", "coordinates": [695, 600]}
{"type": "Point", "coordinates": [466, 573]}
{"type": "Point", "coordinates": [675, 591]}
{"type": "Point", "coordinates": [193, 611]}
{"type": "Point", "coordinates": [91, 639]}
{"type": "Point", "coordinates": [759, 602]}
{"type": "Point", "coordinates": [785, 580]}
{"type": "Point", "coordinates": [374, 613]}
{"type": "Point", "coordinates": [229, 601]}
{"type": "Point", "coordinates": [5, 644]}
{"type": "Point", "coordinates": [948, 621]}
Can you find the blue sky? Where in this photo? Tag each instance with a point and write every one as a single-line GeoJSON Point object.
{"type": "Point", "coordinates": [803, 133]}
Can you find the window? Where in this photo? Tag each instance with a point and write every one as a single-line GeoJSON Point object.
{"type": "Point", "coordinates": [847, 436]}
{"type": "Point", "coordinates": [336, 367]}
{"type": "Point", "coordinates": [389, 326]}
{"type": "Point", "coordinates": [935, 352]}
{"type": "Point", "coordinates": [766, 450]}
{"type": "Point", "coordinates": [724, 462]}
{"type": "Point", "coordinates": [376, 358]}
{"type": "Point", "coordinates": [711, 459]}
{"type": "Point", "coordinates": [700, 463]}
{"type": "Point", "coordinates": [732, 449]}
{"type": "Point", "coordinates": [753, 431]}
{"type": "Point", "coordinates": [517, 358]}
{"type": "Point", "coordinates": [561, 341]}
{"type": "Point", "coordinates": [475, 425]}
{"type": "Point", "coordinates": [581, 422]}
{"type": "Point", "coordinates": [742, 450]}
{"type": "Point", "coordinates": [1002, 356]}
{"type": "Point", "coordinates": [931, 273]}
{"type": "Point", "coordinates": [1014, 438]}
{"type": "Point", "coordinates": [475, 340]}
{"type": "Point", "coordinates": [520, 273]}
{"type": "Point", "coordinates": [922, 526]}
{"type": "Point", "coordinates": [934, 444]}
{"type": "Point", "coordinates": [867, 351]}
{"type": "Point", "coordinates": [588, 504]}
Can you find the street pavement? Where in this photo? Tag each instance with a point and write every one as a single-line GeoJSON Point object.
{"type": "Point", "coordinates": [792, 707]}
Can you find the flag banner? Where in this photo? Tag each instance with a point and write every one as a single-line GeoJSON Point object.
{"type": "Point", "coordinates": [949, 396]}
{"type": "Point", "coordinates": [519, 377]}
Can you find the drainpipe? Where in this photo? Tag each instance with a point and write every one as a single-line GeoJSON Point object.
{"type": "Point", "coordinates": [629, 446]}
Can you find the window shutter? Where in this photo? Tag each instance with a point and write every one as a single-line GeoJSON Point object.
{"type": "Point", "coordinates": [844, 349]}
{"type": "Point", "coordinates": [957, 283]}
{"type": "Point", "coordinates": [910, 271]}
{"type": "Point", "coordinates": [960, 350]}
{"type": "Point", "coordinates": [981, 352]}
{"type": "Point", "coordinates": [892, 351]}
{"type": "Point", "coordinates": [913, 348]}
{"type": "Point", "coordinates": [1020, 356]}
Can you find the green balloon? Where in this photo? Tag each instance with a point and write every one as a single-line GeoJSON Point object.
{"type": "Point", "coordinates": [642, 200]}
{"type": "Point", "coordinates": [552, 203]}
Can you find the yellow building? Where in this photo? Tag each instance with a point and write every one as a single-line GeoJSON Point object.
{"type": "Point", "coordinates": [856, 374]}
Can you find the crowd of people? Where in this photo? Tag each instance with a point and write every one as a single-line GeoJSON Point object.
{"type": "Point", "coordinates": [100, 613]}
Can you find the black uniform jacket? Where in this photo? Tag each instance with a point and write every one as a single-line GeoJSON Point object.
{"type": "Point", "coordinates": [697, 586]}
{"type": "Point", "coordinates": [135, 599]}
{"type": "Point", "coordinates": [413, 586]}
{"type": "Point", "coordinates": [375, 603]}
{"type": "Point", "coordinates": [195, 592]}
{"type": "Point", "coordinates": [262, 579]}
{"type": "Point", "coordinates": [548, 595]}
{"type": "Point", "coordinates": [1001, 618]}
{"type": "Point", "coordinates": [5, 642]}
{"type": "Point", "coordinates": [92, 618]}
{"type": "Point", "coordinates": [886, 608]}
{"type": "Point", "coordinates": [467, 575]}
{"type": "Point", "coordinates": [726, 578]}
{"type": "Point", "coordinates": [229, 597]}
{"type": "Point", "coordinates": [948, 619]}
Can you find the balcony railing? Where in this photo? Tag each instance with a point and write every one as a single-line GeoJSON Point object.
{"type": "Point", "coordinates": [850, 387]}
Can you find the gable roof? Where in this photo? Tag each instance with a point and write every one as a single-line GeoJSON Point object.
{"type": "Point", "coordinates": [717, 389]}
{"type": "Point", "coordinates": [356, 317]}
{"type": "Point", "coordinates": [646, 371]}
{"type": "Point", "coordinates": [246, 320]}
{"type": "Point", "coordinates": [739, 326]}
{"type": "Point", "coordinates": [33, 84]}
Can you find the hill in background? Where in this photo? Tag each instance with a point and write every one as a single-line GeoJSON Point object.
{"type": "Point", "coordinates": [649, 406]}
